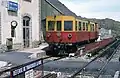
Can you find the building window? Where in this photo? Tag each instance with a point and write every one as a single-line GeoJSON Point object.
{"type": "Point", "coordinates": [26, 31]}
{"type": "Point", "coordinates": [68, 25]}
{"type": "Point", "coordinates": [51, 25]}
{"type": "Point", "coordinates": [26, 21]}
{"type": "Point", "coordinates": [11, 13]}
{"type": "Point", "coordinates": [58, 25]}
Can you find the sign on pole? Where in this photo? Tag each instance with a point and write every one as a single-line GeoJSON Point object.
{"type": "Point", "coordinates": [12, 6]}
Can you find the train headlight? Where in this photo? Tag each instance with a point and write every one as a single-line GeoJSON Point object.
{"type": "Point", "coordinates": [58, 34]}
{"type": "Point", "coordinates": [70, 36]}
{"type": "Point", "coordinates": [48, 35]}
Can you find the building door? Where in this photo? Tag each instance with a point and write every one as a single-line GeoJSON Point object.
{"type": "Point", "coordinates": [26, 31]}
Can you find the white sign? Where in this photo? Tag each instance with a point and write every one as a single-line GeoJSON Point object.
{"type": "Point", "coordinates": [27, 67]}
{"type": "Point", "coordinates": [29, 74]}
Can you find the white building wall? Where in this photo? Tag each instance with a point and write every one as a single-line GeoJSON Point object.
{"type": "Point", "coordinates": [6, 20]}
{"type": "Point", "coordinates": [30, 8]}
{"type": "Point", "coordinates": [105, 33]}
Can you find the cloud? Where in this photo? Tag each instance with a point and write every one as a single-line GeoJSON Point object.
{"type": "Point", "coordinates": [95, 8]}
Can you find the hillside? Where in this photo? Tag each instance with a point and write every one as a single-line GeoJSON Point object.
{"type": "Point", "coordinates": [109, 24]}
{"type": "Point", "coordinates": [106, 23]}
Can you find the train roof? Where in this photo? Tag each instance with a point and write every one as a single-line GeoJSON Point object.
{"type": "Point", "coordinates": [77, 19]}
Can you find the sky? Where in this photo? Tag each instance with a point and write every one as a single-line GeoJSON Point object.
{"type": "Point", "coordinates": [99, 9]}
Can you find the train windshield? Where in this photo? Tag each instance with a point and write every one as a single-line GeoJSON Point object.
{"type": "Point", "coordinates": [51, 25]}
{"type": "Point", "coordinates": [68, 25]}
{"type": "Point", "coordinates": [58, 25]}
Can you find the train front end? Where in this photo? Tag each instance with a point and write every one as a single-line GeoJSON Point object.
{"type": "Point", "coordinates": [60, 33]}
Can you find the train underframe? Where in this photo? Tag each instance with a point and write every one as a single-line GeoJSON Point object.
{"type": "Point", "coordinates": [61, 49]}
{"type": "Point", "coordinates": [64, 49]}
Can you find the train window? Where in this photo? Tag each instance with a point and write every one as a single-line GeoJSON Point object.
{"type": "Point", "coordinates": [96, 27]}
{"type": "Point", "coordinates": [51, 25]}
{"type": "Point", "coordinates": [83, 26]}
{"type": "Point", "coordinates": [79, 25]}
{"type": "Point", "coordinates": [76, 25]}
{"type": "Point", "coordinates": [93, 27]}
{"type": "Point", "coordinates": [86, 26]}
{"type": "Point", "coordinates": [68, 25]}
{"type": "Point", "coordinates": [58, 25]}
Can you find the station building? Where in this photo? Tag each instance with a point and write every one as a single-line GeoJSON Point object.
{"type": "Point", "coordinates": [20, 23]}
{"type": "Point", "coordinates": [29, 17]}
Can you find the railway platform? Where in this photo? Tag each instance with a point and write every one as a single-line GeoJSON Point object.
{"type": "Point", "coordinates": [69, 66]}
{"type": "Point", "coordinates": [21, 57]}
{"type": "Point", "coordinates": [36, 52]}
{"type": "Point", "coordinates": [93, 48]}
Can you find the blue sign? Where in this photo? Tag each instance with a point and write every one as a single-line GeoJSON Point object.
{"type": "Point", "coordinates": [12, 6]}
{"type": "Point", "coordinates": [26, 68]}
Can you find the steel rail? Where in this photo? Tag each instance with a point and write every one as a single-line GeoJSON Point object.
{"type": "Point", "coordinates": [54, 60]}
{"type": "Point", "coordinates": [73, 76]}
{"type": "Point", "coordinates": [103, 67]}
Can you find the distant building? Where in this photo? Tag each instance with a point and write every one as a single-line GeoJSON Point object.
{"type": "Point", "coordinates": [20, 23]}
{"type": "Point", "coordinates": [105, 33]}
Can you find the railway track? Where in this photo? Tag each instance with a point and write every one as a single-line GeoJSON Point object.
{"type": "Point", "coordinates": [116, 46]}
{"type": "Point", "coordinates": [50, 76]}
{"type": "Point", "coordinates": [51, 59]}
{"type": "Point", "coordinates": [58, 58]}
{"type": "Point", "coordinates": [47, 60]}
{"type": "Point", "coordinates": [107, 53]}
